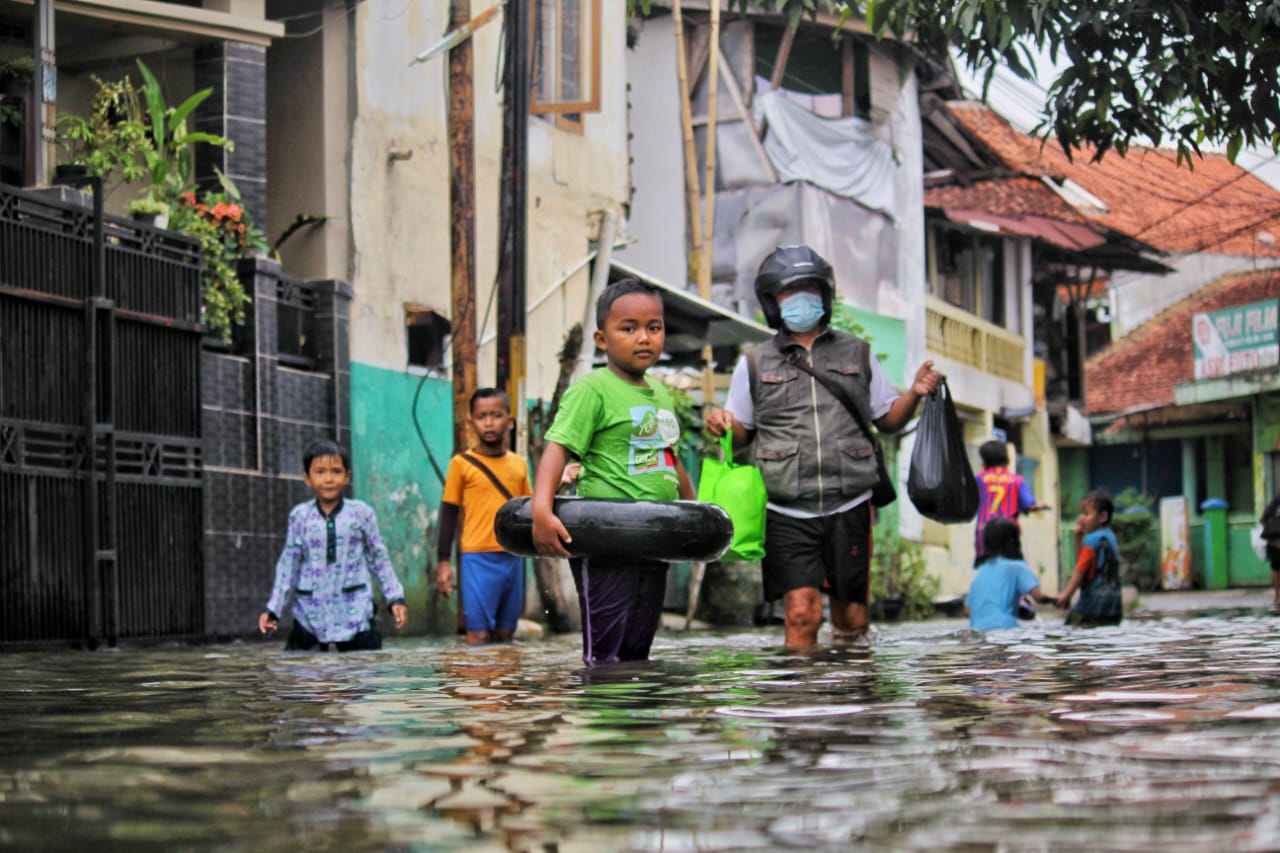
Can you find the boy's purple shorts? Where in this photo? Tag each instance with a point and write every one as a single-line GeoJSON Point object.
{"type": "Point", "coordinates": [621, 606]}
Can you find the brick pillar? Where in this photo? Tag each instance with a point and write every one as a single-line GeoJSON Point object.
{"type": "Point", "coordinates": [237, 109]}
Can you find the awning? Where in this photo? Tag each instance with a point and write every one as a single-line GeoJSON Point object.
{"type": "Point", "coordinates": [1072, 242]}
{"type": "Point", "coordinates": [693, 322]}
{"type": "Point", "coordinates": [1071, 236]}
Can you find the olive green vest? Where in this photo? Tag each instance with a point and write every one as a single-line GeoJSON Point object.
{"type": "Point", "coordinates": [812, 453]}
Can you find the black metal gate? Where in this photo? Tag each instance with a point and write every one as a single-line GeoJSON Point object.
{"type": "Point", "coordinates": [100, 446]}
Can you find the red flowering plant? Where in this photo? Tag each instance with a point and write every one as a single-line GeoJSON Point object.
{"type": "Point", "coordinates": [226, 234]}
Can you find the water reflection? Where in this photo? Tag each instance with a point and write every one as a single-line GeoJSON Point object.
{"type": "Point", "coordinates": [1158, 732]}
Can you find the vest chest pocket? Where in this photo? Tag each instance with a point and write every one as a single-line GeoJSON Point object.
{"type": "Point", "coordinates": [779, 464]}
{"type": "Point", "coordinates": [778, 388]}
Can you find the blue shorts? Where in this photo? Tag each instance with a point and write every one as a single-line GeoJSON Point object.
{"type": "Point", "coordinates": [492, 590]}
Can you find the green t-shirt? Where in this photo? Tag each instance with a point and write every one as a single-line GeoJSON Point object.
{"type": "Point", "coordinates": [625, 436]}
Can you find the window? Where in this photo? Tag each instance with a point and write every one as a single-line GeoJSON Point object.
{"type": "Point", "coordinates": [425, 336]}
{"type": "Point", "coordinates": [566, 60]}
{"type": "Point", "coordinates": [968, 271]}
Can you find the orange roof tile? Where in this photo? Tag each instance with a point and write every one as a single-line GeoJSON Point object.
{"type": "Point", "coordinates": [1140, 370]}
{"type": "Point", "coordinates": [1017, 196]}
{"type": "Point", "coordinates": [1217, 207]}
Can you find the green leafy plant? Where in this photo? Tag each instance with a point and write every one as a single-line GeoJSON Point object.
{"type": "Point", "coordinates": [1137, 537]}
{"type": "Point", "coordinates": [146, 203]}
{"type": "Point", "coordinates": [899, 571]}
{"type": "Point", "coordinates": [111, 137]}
{"type": "Point", "coordinates": [693, 441]}
{"type": "Point", "coordinates": [226, 234]}
{"type": "Point", "coordinates": [170, 155]}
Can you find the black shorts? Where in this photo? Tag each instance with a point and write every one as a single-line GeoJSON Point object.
{"type": "Point", "coordinates": [302, 640]}
{"type": "Point", "coordinates": [831, 553]}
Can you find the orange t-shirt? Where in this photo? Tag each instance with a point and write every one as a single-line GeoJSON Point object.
{"type": "Point", "coordinates": [479, 499]}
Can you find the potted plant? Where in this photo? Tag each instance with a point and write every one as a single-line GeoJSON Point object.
{"type": "Point", "coordinates": [16, 75]}
{"type": "Point", "coordinates": [147, 209]}
{"type": "Point", "coordinates": [111, 138]}
{"type": "Point", "coordinates": [901, 586]}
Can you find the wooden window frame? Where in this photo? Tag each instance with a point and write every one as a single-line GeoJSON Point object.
{"type": "Point", "coordinates": [563, 109]}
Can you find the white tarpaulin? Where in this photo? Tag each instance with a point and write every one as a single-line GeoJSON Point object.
{"type": "Point", "coordinates": [861, 244]}
{"type": "Point", "coordinates": [850, 157]}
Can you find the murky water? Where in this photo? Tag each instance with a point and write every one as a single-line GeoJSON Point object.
{"type": "Point", "coordinates": [1155, 735]}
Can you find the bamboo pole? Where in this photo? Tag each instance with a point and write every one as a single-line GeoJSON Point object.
{"type": "Point", "coordinates": [690, 155]}
{"type": "Point", "coordinates": [709, 192]}
{"type": "Point", "coordinates": [709, 185]}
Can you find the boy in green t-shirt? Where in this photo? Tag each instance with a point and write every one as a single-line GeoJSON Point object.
{"type": "Point", "coordinates": [622, 425]}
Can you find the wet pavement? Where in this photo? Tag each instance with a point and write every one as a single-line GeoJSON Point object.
{"type": "Point", "coordinates": [1159, 733]}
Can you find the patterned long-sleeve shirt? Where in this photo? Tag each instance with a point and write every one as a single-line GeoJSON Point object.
{"type": "Point", "coordinates": [326, 566]}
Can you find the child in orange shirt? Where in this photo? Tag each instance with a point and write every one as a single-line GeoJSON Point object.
{"type": "Point", "coordinates": [480, 481]}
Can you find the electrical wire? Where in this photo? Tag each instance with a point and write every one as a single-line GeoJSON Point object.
{"type": "Point", "coordinates": [417, 425]}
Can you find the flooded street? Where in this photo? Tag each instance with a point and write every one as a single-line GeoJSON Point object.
{"type": "Point", "coordinates": [1161, 733]}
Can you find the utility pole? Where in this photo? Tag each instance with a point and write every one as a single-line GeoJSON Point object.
{"type": "Point", "coordinates": [513, 212]}
{"type": "Point", "coordinates": [462, 218]}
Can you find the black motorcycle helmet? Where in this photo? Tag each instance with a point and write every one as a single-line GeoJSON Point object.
{"type": "Point", "coordinates": [784, 265]}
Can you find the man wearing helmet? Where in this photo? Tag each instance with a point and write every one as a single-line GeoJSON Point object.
{"type": "Point", "coordinates": [818, 463]}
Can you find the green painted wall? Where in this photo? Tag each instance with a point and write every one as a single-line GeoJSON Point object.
{"type": "Point", "coordinates": [393, 475]}
{"type": "Point", "coordinates": [888, 337]}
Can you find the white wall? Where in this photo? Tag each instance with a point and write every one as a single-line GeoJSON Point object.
{"type": "Point", "coordinates": [659, 210]}
{"type": "Point", "coordinates": [1135, 298]}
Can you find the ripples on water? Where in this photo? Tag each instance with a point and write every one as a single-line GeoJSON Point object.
{"type": "Point", "coordinates": [1157, 734]}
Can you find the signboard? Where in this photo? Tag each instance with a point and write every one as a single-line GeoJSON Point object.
{"type": "Point", "coordinates": [1243, 337]}
{"type": "Point", "coordinates": [1175, 544]}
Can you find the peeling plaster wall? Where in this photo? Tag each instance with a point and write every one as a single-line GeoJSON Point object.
{"type": "Point", "coordinates": [400, 209]}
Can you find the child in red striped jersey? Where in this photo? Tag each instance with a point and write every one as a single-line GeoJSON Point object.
{"type": "Point", "coordinates": [1002, 493]}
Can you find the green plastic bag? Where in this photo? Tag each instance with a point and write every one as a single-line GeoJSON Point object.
{"type": "Point", "coordinates": [739, 490]}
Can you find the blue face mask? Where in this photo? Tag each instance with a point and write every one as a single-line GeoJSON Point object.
{"type": "Point", "coordinates": [802, 311]}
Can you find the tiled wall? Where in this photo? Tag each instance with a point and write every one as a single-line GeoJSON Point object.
{"type": "Point", "coordinates": [258, 415]}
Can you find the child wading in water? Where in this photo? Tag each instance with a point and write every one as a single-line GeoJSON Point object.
{"type": "Point", "coordinates": [1002, 579]}
{"type": "Point", "coordinates": [330, 552]}
{"type": "Point", "coordinates": [479, 482]}
{"type": "Point", "coordinates": [1097, 573]}
{"type": "Point", "coordinates": [622, 425]}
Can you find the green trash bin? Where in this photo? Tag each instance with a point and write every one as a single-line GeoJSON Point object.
{"type": "Point", "coordinates": [1215, 543]}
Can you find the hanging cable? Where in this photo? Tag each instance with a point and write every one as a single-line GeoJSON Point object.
{"type": "Point", "coordinates": [418, 426]}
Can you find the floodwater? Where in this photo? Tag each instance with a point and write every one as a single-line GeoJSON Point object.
{"type": "Point", "coordinates": [1159, 734]}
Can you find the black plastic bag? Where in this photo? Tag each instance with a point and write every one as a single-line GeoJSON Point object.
{"type": "Point", "coordinates": [940, 482]}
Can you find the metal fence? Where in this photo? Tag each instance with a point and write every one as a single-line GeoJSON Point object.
{"type": "Point", "coordinates": [101, 469]}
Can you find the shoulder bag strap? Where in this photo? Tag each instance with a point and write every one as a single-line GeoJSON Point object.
{"type": "Point", "coordinates": [796, 360]}
{"type": "Point", "coordinates": [488, 472]}
{"type": "Point", "coordinates": [753, 374]}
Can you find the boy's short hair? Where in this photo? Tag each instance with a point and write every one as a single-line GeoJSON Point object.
{"type": "Point", "coordinates": [993, 453]}
{"type": "Point", "coordinates": [1102, 502]}
{"type": "Point", "coordinates": [1002, 538]}
{"type": "Point", "coordinates": [325, 447]}
{"type": "Point", "coordinates": [615, 291]}
{"type": "Point", "coordinates": [486, 394]}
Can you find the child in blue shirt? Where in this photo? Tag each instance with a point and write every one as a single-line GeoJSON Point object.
{"type": "Point", "coordinates": [1097, 573]}
{"type": "Point", "coordinates": [1002, 580]}
{"type": "Point", "coordinates": [332, 547]}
